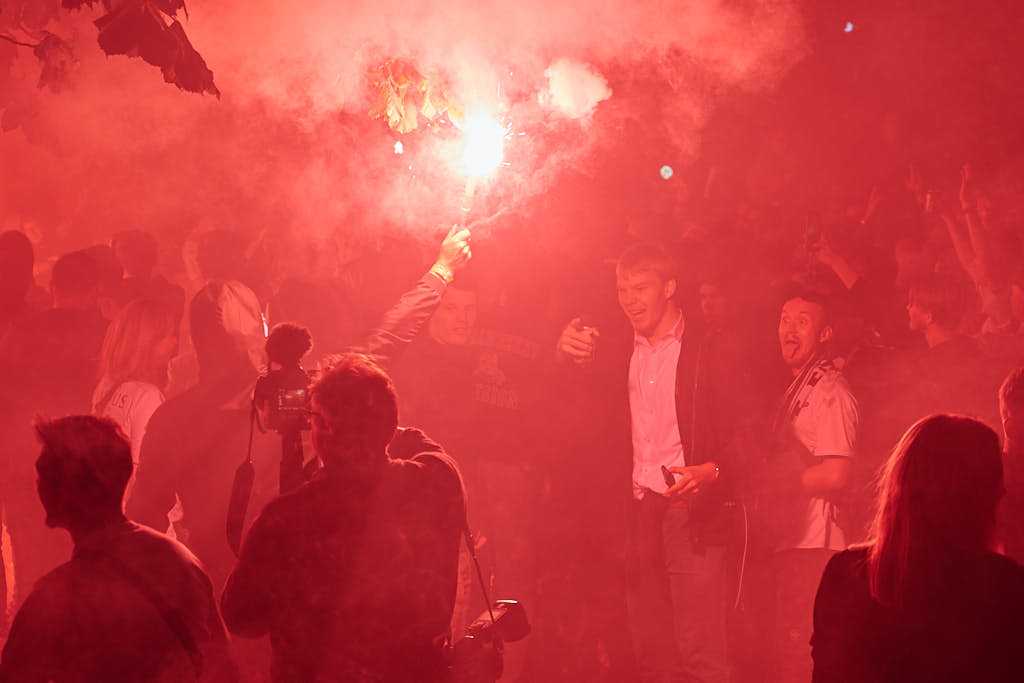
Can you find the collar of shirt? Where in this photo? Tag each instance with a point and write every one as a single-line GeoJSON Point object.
{"type": "Point", "coordinates": [675, 334]}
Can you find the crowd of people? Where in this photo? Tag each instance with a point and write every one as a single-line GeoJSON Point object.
{"type": "Point", "coordinates": [691, 470]}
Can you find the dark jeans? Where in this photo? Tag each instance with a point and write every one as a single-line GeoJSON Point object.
{"type": "Point", "coordinates": [676, 595]}
{"type": "Point", "coordinates": [797, 574]}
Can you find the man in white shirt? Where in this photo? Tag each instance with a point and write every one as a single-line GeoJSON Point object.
{"type": "Point", "coordinates": [817, 428]}
{"type": "Point", "coordinates": [683, 420]}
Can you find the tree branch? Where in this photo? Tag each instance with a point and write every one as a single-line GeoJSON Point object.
{"type": "Point", "coordinates": [17, 42]}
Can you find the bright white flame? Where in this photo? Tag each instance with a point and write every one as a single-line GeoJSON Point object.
{"type": "Point", "coordinates": [483, 145]}
{"type": "Point", "coordinates": [399, 147]}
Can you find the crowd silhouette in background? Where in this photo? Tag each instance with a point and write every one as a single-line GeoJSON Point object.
{"type": "Point", "coordinates": [661, 458]}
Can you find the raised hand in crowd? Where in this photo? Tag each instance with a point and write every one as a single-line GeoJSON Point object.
{"type": "Point", "coordinates": [829, 257]}
{"type": "Point", "coordinates": [455, 253]}
{"type": "Point", "coordinates": [578, 342]}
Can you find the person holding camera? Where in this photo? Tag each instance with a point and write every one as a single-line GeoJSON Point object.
{"type": "Point", "coordinates": [195, 441]}
{"type": "Point", "coordinates": [353, 574]}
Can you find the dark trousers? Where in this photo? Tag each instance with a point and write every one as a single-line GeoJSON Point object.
{"type": "Point", "coordinates": [797, 575]}
{"type": "Point", "coordinates": [676, 596]}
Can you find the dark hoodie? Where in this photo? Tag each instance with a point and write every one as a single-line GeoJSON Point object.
{"type": "Point", "coordinates": [195, 441]}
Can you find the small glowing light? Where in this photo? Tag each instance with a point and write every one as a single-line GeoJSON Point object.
{"type": "Point", "coordinates": [399, 147]}
{"type": "Point", "coordinates": [666, 172]}
{"type": "Point", "coordinates": [849, 27]}
{"type": "Point", "coordinates": [483, 141]}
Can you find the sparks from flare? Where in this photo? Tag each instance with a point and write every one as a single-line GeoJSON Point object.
{"type": "Point", "coordinates": [483, 145]}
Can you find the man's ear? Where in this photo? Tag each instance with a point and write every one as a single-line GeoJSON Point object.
{"type": "Point", "coordinates": [825, 335]}
{"type": "Point", "coordinates": [669, 290]}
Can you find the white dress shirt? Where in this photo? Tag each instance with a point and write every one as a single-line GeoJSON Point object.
{"type": "Point", "coordinates": [652, 407]}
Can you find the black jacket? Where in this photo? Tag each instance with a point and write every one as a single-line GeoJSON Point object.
{"type": "Point", "coordinates": [714, 409]}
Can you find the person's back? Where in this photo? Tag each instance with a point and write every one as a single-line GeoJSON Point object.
{"type": "Point", "coordinates": [368, 586]}
{"type": "Point", "coordinates": [968, 630]}
{"type": "Point", "coordinates": [130, 605]}
{"type": "Point", "coordinates": [353, 574]}
{"type": "Point", "coordinates": [926, 599]}
{"type": "Point", "coordinates": [195, 440]}
{"type": "Point", "coordinates": [192, 446]}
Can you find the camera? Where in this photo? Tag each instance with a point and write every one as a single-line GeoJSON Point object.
{"type": "Point", "coordinates": [477, 656]}
{"type": "Point", "coordinates": [282, 393]}
{"type": "Point", "coordinates": [283, 396]}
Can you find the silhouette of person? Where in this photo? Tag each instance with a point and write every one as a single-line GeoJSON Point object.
{"type": "Point", "coordinates": [353, 574]}
{"type": "Point", "coordinates": [131, 604]}
{"type": "Point", "coordinates": [926, 599]}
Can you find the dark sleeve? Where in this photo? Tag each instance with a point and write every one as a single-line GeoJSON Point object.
{"type": "Point", "coordinates": [409, 441]}
{"type": "Point", "coordinates": [248, 601]}
{"type": "Point", "coordinates": [440, 533]}
{"type": "Point", "coordinates": [218, 663]}
{"type": "Point", "coordinates": [735, 411]}
{"type": "Point", "coordinates": [153, 493]}
{"type": "Point", "coordinates": [33, 649]}
{"type": "Point", "coordinates": [831, 623]}
{"type": "Point", "coordinates": [403, 321]}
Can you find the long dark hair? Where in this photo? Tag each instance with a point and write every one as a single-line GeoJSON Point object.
{"type": "Point", "coordinates": [938, 495]}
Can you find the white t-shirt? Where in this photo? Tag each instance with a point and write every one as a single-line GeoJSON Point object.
{"type": "Point", "coordinates": [130, 405]}
{"type": "Point", "coordinates": [826, 425]}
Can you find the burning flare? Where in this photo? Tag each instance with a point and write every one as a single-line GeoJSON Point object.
{"type": "Point", "coordinates": [483, 145]}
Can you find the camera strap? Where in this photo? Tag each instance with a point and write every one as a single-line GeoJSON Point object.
{"type": "Point", "coordinates": [241, 493]}
{"type": "Point", "coordinates": [470, 540]}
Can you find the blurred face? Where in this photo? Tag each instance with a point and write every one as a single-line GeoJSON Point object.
{"type": "Point", "coordinates": [454, 321]}
{"type": "Point", "coordinates": [644, 297]}
{"type": "Point", "coordinates": [802, 331]}
{"type": "Point", "coordinates": [713, 303]}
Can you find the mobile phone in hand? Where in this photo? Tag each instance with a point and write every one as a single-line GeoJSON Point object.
{"type": "Point", "coordinates": [670, 479]}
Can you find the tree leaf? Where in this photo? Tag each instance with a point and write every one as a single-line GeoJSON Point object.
{"type": "Point", "coordinates": [58, 61]}
{"type": "Point", "coordinates": [188, 70]}
{"type": "Point", "coordinates": [78, 4]}
{"type": "Point", "coordinates": [138, 28]}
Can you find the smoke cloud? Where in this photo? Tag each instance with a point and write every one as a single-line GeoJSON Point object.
{"type": "Point", "coordinates": [574, 89]}
{"type": "Point", "coordinates": [290, 146]}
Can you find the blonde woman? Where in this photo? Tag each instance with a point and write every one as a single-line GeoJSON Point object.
{"type": "Point", "coordinates": [140, 342]}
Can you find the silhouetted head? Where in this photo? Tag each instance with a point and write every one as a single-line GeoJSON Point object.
{"type": "Point", "coordinates": [287, 344]}
{"type": "Point", "coordinates": [646, 281]}
{"type": "Point", "coordinates": [1011, 410]}
{"type": "Point", "coordinates": [935, 301]}
{"type": "Point", "coordinates": [938, 495]}
{"type": "Point", "coordinates": [137, 251]}
{"type": "Point", "coordinates": [83, 469]}
{"type": "Point", "coordinates": [355, 412]}
{"type": "Point", "coordinates": [75, 282]}
{"type": "Point", "coordinates": [219, 255]}
{"type": "Point", "coordinates": [228, 329]}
